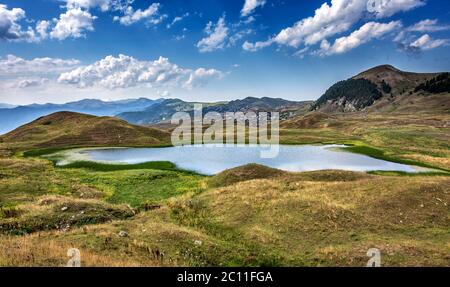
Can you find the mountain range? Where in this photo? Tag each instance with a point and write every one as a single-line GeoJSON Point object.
{"type": "Point", "coordinates": [382, 89]}
{"type": "Point", "coordinates": [139, 111]}
{"type": "Point", "coordinates": [162, 111]}
{"type": "Point", "coordinates": [6, 106]}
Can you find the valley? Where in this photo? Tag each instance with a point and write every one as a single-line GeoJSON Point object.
{"type": "Point", "coordinates": [155, 214]}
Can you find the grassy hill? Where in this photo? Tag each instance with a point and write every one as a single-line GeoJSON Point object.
{"type": "Point", "coordinates": [155, 215]}
{"type": "Point", "coordinates": [438, 84]}
{"type": "Point", "coordinates": [327, 218]}
{"type": "Point", "coordinates": [63, 129]}
{"type": "Point", "coordinates": [247, 216]}
{"type": "Point", "coordinates": [399, 81]}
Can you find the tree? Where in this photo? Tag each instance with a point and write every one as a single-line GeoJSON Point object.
{"type": "Point", "coordinates": [359, 92]}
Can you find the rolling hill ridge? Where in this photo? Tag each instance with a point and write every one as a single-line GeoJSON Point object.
{"type": "Point", "coordinates": [12, 117]}
{"type": "Point", "coordinates": [64, 129]}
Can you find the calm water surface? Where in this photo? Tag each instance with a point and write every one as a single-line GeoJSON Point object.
{"type": "Point", "coordinates": [210, 159]}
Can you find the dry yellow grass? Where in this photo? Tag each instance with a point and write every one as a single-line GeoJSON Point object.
{"type": "Point", "coordinates": [323, 218]}
{"type": "Point", "coordinates": [247, 217]}
{"type": "Point", "coordinates": [400, 215]}
{"type": "Point", "coordinates": [37, 250]}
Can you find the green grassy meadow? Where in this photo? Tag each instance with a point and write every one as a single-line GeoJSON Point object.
{"type": "Point", "coordinates": [248, 216]}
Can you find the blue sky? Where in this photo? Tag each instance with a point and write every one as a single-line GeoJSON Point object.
{"type": "Point", "coordinates": [64, 50]}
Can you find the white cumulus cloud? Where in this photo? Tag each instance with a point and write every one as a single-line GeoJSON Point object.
{"type": "Point", "coordinates": [201, 77]}
{"type": "Point", "coordinates": [217, 36]}
{"type": "Point", "coordinates": [253, 47]}
{"type": "Point", "coordinates": [72, 24]}
{"type": "Point", "coordinates": [42, 28]}
{"type": "Point", "coordinates": [13, 65]}
{"type": "Point", "coordinates": [250, 6]}
{"type": "Point", "coordinates": [150, 15]}
{"type": "Point", "coordinates": [428, 25]}
{"type": "Point", "coordinates": [387, 8]}
{"type": "Point", "coordinates": [425, 42]}
{"type": "Point", "coordinates": [177, 19]}
{"type": "Point", "coordinates": [332, 19]}
{"type": "Point", "coordinates": [11, 29]}
{"type": "Point", "coordinates": [125, 72]}
{"type": "Point", "coordinates": [19, 73]}
{"type": "Point", "coordinates": [24, 83]}
{"type": "Point", "coordinates": [408, 41]}
{"type": "Point", "coordinates": [366, 33]}
{"type": "Point", "coordinates": [104, 5]}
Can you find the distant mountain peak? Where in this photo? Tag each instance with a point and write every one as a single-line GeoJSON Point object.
{"type": "Point", "coordinates": [163, 111]}
{"type": "Point", "coordinates": [382, 68]}
{"type": "Point", "coordinates": [399, 80]}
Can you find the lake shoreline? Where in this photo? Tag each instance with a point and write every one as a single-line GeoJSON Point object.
{"type": "Point", "coordinates": [78, 157]}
